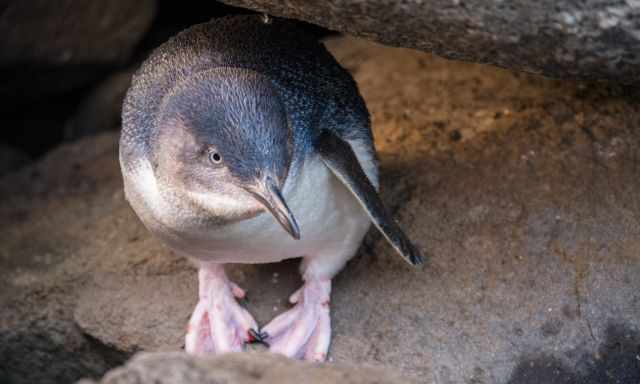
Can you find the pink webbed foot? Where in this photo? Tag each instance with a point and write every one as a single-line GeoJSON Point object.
{"type": "Point", "coordinates": [218, 323]}
{"type": "Point", "coordinates": [304, 331]}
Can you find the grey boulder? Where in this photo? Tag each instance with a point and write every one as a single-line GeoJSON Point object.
{"type": "Point", "coordinates": [238, 368]}
{"type": "Point", "coordinates": [72, 32]}
{"type": "Point", "coordinates": [586, 39]}
{"type": "Point", "coordinates": [52, 47]}
{"type": "Point", "coordinates": [100, 110]}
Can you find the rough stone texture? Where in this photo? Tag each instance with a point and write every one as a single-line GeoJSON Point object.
{"type": "Point", "coordinates": [240, 368]}
{"type": "Point", "coordinates": [560, 38]}
{"type": "Point", "coordinates": [524, 191]}
{"type": "Point", "coordinates": [52, 47]}
{"type": "Point", "coordinates": [72, 32]}
{"type": "Point", "coordinates": [48, 214]}
{"type": "Point", "coordinates": [100, 111]}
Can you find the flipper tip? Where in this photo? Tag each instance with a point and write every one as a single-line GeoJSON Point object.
{"type": "Point", "coordinates": [416, 258]}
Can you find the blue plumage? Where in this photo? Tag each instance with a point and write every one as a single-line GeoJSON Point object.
{"type": "Point", "coordinates": [316, 91]}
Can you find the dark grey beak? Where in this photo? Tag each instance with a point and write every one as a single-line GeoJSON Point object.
{"type": "Point", "coordinates": [268, 193]}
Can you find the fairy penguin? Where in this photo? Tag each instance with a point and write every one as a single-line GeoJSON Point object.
{"type": "Point", "coordinates": [244, 141]}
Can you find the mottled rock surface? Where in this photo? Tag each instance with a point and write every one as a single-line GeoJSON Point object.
{"type": "Point", "coordinates": [72, 32]}
{"type": "Point", "coordinates": [560, 38]}
{"type": "Point", "coordinates": [100, 110]}
{"type": "Point", "coordinates": [524, 191]}
{"type": "Point", "coordinates": [52, 47]}
{"type": "Point", "coordinates": [240, 368]}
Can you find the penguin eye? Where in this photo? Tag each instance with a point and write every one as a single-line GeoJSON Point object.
{"type": "Point", "coordinates": [215, 157]}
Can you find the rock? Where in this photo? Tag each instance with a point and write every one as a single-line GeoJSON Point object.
{"type": "Point", "coordinates": [100, 110]}
{"type": "Point", "coordinates": [239, 368]}
{"type": "Point", "coordinates": [25, 86]}
{"type": "Point", "coordinates": [72, 32]}
{"type": "Point", "coordinates": [46, 211]}
{"type": "Point", "coordinates": [49, 48]}
{"type": "Point", "coordinates": [11, 159]}
{"type": "Point", "coordinates": [38, 126]}
{"type": "Point", "coordinates": [585, 39]}
{"type": "Point", "coordinates": [529, 213]}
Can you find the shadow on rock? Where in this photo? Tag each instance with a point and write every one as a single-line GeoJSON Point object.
{"type": "Point", "coordinates": [617, 361]}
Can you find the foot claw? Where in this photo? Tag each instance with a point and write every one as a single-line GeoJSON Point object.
{"type": "Point", "coordinates": [295, 296]}
{"type": "Point", "coordinates": [256, 337]}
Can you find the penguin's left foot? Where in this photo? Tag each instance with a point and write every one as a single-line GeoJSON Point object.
{"type": "Point", "coordinates": [218, 324]}
{"type": "Point", "coordinates": [304, 331]}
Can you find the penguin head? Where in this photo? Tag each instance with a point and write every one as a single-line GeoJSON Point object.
{"type": "Point", "coordinates": [223, 141]}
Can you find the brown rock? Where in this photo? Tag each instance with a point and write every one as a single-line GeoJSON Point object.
{"type": "Point", "coordinates": [53, 47]}
{"type": "Point", "coordinates": [530, 218]}
{"type": "Point", "coordinates": [100, 110]}
{"type": "Point", "coordinates": [239, 368]}
{"type": "Point", "coordinates": [72, 32]}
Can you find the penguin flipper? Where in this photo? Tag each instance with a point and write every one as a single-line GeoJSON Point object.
{"type": "Point", "coordinates": [339, 157]}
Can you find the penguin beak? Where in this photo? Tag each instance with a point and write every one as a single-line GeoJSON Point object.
{"type": "Point", "coordinates": [268, 194]}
